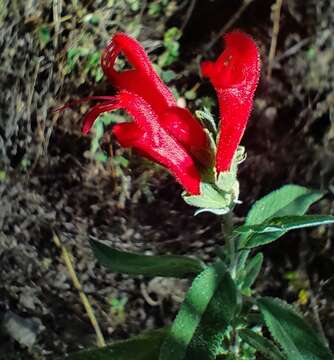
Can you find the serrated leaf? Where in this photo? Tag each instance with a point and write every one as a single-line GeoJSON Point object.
{"type": "Point", "coordinates": [261, 344]}
{"type": "Point", "coordinates": [292, 332]}
{"type": "Point", "coordinates": [281, 225]}
{"type": "Point", "coordinates": [142, 347]}
{"type": "Point", "coordinates": [252, 271]}
{"type": "Point", "coordinates": [204, 316]}
{"type": "Point", "coordinates": [148, 265]}
{"type": "Point", "coordinates": [289, 200]}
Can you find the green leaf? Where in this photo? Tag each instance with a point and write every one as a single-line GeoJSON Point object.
{"type": "Point", "coordinates": [261, 344]}
{"type": "Point", "coordinates": [137, 264]}
{"type": "Point", "coordinates": [121, 161]}
{"type": "Point", "coordinates": [208, 309]}
{"type": "Point", "coordinates": [142, 347]}
{"type": "Point", "coordinates": [287, 223]}
{"type": "Point", "coordinates": [3, 175]}
{"type": "Point", "coordinates": [207, 120]}
{"type": "Point", "coordinates": [44, 35]}
{"type": "Point", "coordinates": [171, 35]}
{"type": "Point", "coordinates": [286, 201]}
{"type": "Point", "coordinates": [297, 338]}
{"type": "Point", "coordinates": [168, 75]}
{"type": "Point", "coordinates": [252, 271]}
{"type": "Point", "coordinates": [100, 156]}
{"type": "Point", "coordinates": [210, 198]}
{"type": "Point", "coordinates": [281, 225]}
{"type": "Point", "coordinates": [171, 45]}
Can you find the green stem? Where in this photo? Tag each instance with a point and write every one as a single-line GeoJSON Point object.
{"type": "Point", "coordinates": [230, 241]}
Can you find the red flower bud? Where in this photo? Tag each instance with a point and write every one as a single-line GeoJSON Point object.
{"type": "Point", "coordinates": [234, 75]}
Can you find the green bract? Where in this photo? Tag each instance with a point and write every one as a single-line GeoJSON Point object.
{"type": "Point", "coordinates": [221, 192]}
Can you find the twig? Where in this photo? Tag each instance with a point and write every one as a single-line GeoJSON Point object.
{"type": "Point", "coordinates": [276, 11]}
{"type": "Point", "coordinates": [188, 14]}
{"type": "Point", "coordinates": [32, 89]}
{"type": "Point", "coordinates": [292, 50]}
{"type": "Point", "coordinates": [142, 10]}
{"type": "Point", "coordinates": [66, 256]}
{"type": "Point", "coordinates": [57, 7]}
{"type": "Point", "coordinates": [230, 23]}
{"type": "Point", "coordinates": [316, 313]}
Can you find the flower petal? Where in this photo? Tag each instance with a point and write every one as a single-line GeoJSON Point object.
{"type": "Point", "coordinates": [235, 76]}
{"type": "Point", "coordinates": [187, 130]}
{"type": "Point", "coordinates": [152, 140]}
{"type": "Point", "coordinates": [142, 79]}
{"type": "Point", "coordinates": [95, 111]}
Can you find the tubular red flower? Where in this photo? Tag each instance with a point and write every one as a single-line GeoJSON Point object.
{"type": "Point", "coordinates": [235, 76]}
{"type": "Point", "coordinates": [147, 136]}
{"type": "Point", "coordinates": [143, 80]}
{"type": "Point", "coordinates": [160, 130]}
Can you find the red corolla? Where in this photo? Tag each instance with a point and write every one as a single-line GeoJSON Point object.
{"type": "Point", "coordinates": [167, 133]}
{"type": "Point", "coordinates": [234, 75]}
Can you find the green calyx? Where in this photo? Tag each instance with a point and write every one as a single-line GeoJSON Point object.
{"type": "Point", "coordinates": [219, 192]}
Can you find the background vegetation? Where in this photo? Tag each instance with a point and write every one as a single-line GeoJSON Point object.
{"type": "Point", "coordinates": [54, 179]}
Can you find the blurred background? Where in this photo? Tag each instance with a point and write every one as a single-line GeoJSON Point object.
{"type": "Point", "coordinates": [52, 178]}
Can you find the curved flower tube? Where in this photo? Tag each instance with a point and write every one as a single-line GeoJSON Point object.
{"type": "Point", "coordinates": [143, 80]}
{"type": "Point", "coordinates": [146, 136]}
{"type": "Point", "coordinates": [235, 76]}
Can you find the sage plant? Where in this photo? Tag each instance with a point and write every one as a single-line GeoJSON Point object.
{"type": "Point", "coordinates": [221, 317]}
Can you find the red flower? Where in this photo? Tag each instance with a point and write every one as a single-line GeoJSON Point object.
{"type": "Point", "coordinates": [146, 135]}
{"type": "Point", "coordinates": [160, 129]}
{"type": "Point", "coordinates": [234, 75]}
{"type": "Point", "coordinates": [143, 80]}
{"type": "Point", "coordinates": [166, 133]}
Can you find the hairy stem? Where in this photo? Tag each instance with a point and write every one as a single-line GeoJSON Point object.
{"type": "Point", "coordinates": [230, 242]}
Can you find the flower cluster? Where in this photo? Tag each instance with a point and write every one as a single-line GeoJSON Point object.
{"type": "Point", "coordinates": [171, 135]}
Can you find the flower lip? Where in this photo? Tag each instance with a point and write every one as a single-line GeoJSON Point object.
{"type": "Point", "coordinates": [141, 79]}
{"type": "Point", "coordinates": [146, 135]}
{"type": "Point", "coordinates": [235, 65]}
